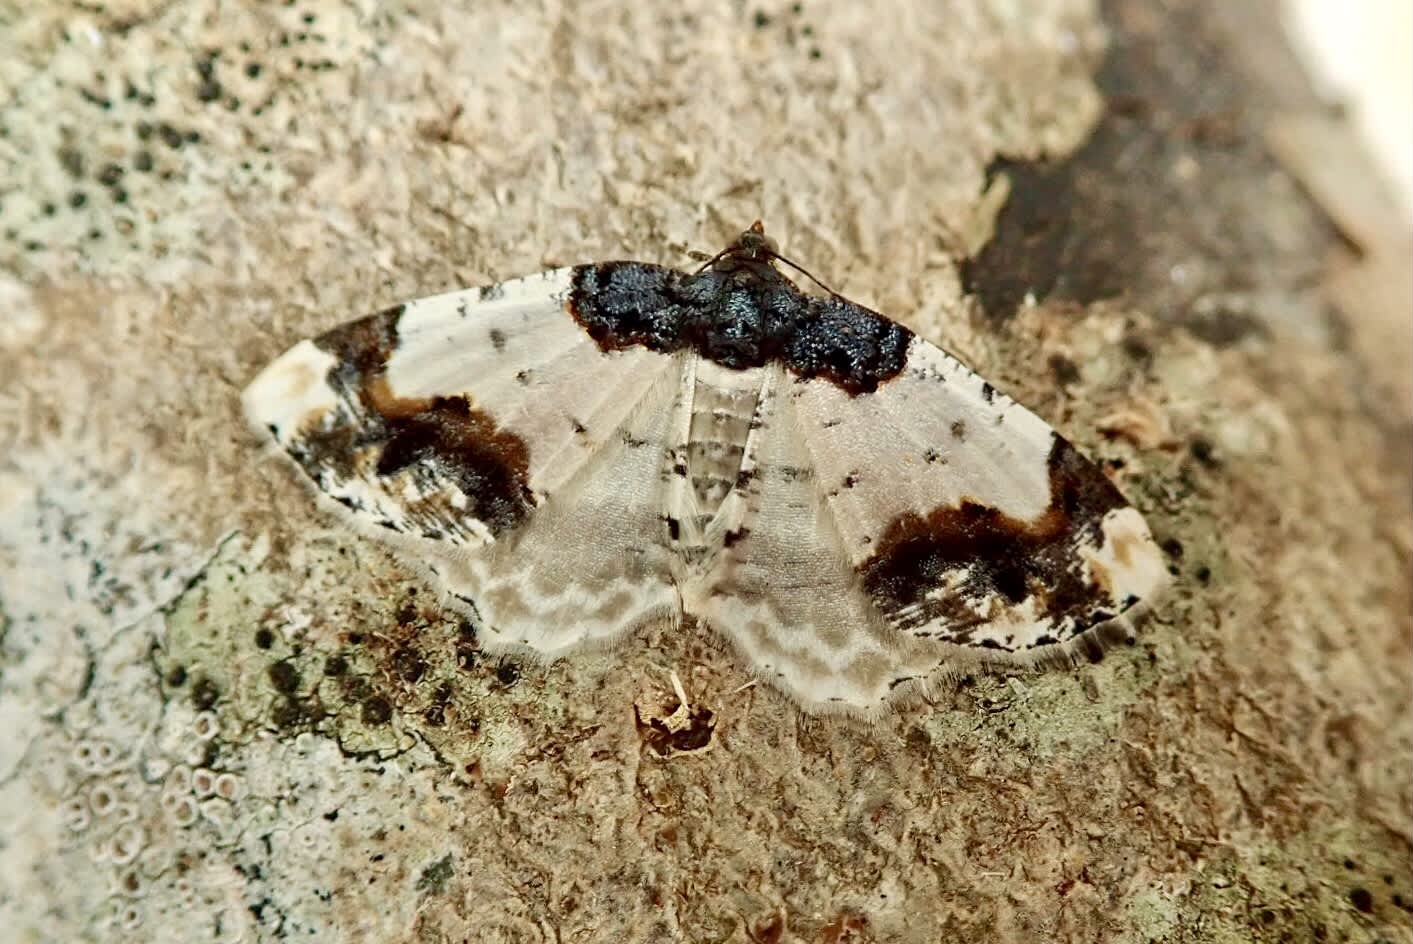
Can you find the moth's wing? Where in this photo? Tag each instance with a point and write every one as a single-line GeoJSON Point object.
{"type": "Point", "coordinates": [784, 589]}
{"type": "Point", "coordinates": [451, 424]}
{"type": "Point", "coordinates": [968, 519]}
{"type": "Point", "coordinates": [930, 521]}
{"type": "Point", "coordinates": [593, 561]}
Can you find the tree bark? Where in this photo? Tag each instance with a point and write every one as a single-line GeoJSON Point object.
{"type": "Point", "coordinates": [227, 718]}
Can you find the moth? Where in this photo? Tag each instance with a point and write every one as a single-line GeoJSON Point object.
{"type": "Point", "coordinates": [572, 455]}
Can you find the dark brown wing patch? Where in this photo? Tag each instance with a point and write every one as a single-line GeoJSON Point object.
{"type": "Point", "coordinates": [1004, 558]}
{"type": "Point", "coordinates": [438, 439]}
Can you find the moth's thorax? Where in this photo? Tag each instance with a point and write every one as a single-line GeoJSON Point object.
{"type": "Point", "coordinates": [748, 270]}
{"type": "Point", "coordinates": [751, 259]}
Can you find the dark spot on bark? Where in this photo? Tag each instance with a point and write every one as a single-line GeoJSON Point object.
{"type": "Point", "coordinates": [284, 677]}
{"type": "Point", "coordinates": [252, 70]}
{"type": "Point", "coordinates": [376, 710]}
{"type": "Point", "coordinates": [695, 735]}
{"type": "Point", "coordinates": [1203, 451]}
{"type": "Point", "coordinates": [508, 673]}
{"type": "Point", "coordinates": [674, 528]}
{"type": "Point", "coordinates": [959, 430]}
{"type": "Point", "coordinates": [1065, 370]}
{"type": "Point", "coordinates": [467, 657]}
{"type": "Point", "coordinates": [1361, 899]}
{"type": "Point", "coordinates": [435, 715]}
{"type": "Point", "coordinates": [335, 665]}
{"type": "Point", "coordinates": [264, 638]}
{"type": "Point", "coordinates": [176, 676]}
{"type": "Point", "coordinates": [356, 688]}
{"type": "Point", "coordinates": [287, 713]}
{"type": "Point", "coordinates": [1137, 349]}
{"type": "Point", "coordinates": [770, 930]}
{"type": "Point", "coordinates": [1112, 220]}
{"type": "Point", "coordinates": [77, 199]}
{"type": "Point", "coordinates": [170, 136]}
{"type": "Point", "coordinates": [95, 98]}
{"type": "Point", "coordinates": [1173, 548]}
{"type": "Point", "coordinates": [111, 175]}
{"type": "Point", "coordinates": [497, 339]}
{"type": "Point", "coordinates": [1222, 327]}
{"type": "Point", "coordinates": [204, 693]}
{"type": "Point", "coordinates": [142, 161]}
{"type": "Point", "coordinates": [72, 161]}
{"type": "Point", "coordinates": [408, 664]}
{"type": "Point", "coordinates": [988, 392]}
{"type": "Point", "coordinates": [1002, 556]}
{"type": "Point", "coordinates": [761, 19]}
{"type": "Point", "coordinates": [732, 537]}
{"type": "Point", "coordinates": [740, 313]}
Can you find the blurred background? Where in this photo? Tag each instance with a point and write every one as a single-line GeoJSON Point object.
{"type": "Point", "coordinates": [1361, 55]}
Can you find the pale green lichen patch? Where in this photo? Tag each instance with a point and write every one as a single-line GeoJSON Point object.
{"type": "Point", "coordinates": [1318, 885]}
{"type": "Point", "coordinates": [434, 877]}
{"type": "Point", "coordinates": [280, 650]}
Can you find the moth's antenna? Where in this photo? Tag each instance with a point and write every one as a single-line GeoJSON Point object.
{"type": "Point", "coordinates": [713, 260]}
{"type": "Point", "coordinates": [802, 270]}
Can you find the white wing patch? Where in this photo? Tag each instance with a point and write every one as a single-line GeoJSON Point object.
{"type": "Point", "coordinates": [575, 453]}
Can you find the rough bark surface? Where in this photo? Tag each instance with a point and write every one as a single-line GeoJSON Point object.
{"type": "Point", "coordinates": [223, 718]}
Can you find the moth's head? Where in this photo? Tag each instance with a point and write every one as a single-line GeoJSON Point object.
{"type": "Point", "coordinates": [751, 255]}
{"type": "Point", "coordinates": [754, 245]}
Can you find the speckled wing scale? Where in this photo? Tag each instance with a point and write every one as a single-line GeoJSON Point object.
{"type": "Point", "coordinates": [572, 454]}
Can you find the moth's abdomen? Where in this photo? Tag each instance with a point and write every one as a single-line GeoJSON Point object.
{"type": "Point", "coordinates": [720, 407]}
